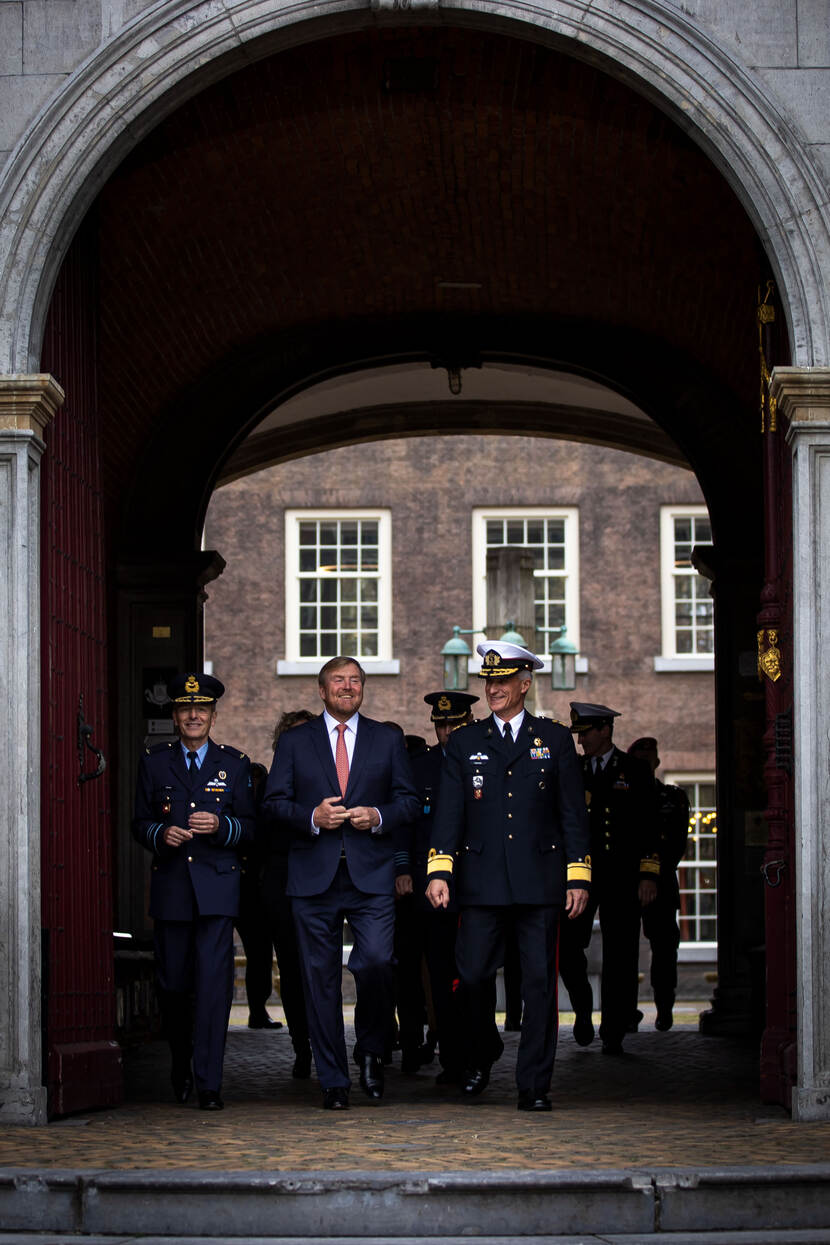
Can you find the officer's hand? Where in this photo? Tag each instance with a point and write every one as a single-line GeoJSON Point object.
{"type": "Point", "coordinates": [330, 814]}
{"type": "Point", "coordinates": [403, 884]}
{"type": "Point", "coordinates": [363, 818]}
{"type": "Point", "coordinates": [203, 823]}
{"type": "Point", "coordinates": [174, 836]}
{"type": "Point", "coordinates": [647, 892]}
{"type": "Point", "coordinates": [438, 893]}
{"type": "Point", "coordinates": [576, 901]}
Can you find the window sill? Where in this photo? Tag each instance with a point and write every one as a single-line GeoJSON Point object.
{"type": "Point", "coordinates": [669, 665]}
{"type": "Point", "coordinates": [370, 665]}
{"type": "Point", "coordinates": [697, 952]}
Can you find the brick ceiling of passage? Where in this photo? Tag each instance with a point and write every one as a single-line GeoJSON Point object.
{"type": "Point", "coordinates": [299, 192]}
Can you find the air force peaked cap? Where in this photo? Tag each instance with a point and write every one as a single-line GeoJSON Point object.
{"type": "Point", "coordinates": [449, 706]}
{"type": "Point", "coordinates": [501, 660]}
{"type": "Point", "coordinates": [195, 689]}
{"type": "Point", "coordinates": [584, 716]}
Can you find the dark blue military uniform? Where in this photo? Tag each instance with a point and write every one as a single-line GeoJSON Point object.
{"type": "Point", "coordinates": [512, 833]}
{"type": "Point", "coordinates": [624, 850]}
{"type": "Point", "coordinates": [194, 893]}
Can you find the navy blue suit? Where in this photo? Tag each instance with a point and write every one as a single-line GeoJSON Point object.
{"type": "Point", "coordinates": [512, 832]}
{"type": "Point", "coordinates": [194, 893]}
{"type": "Point", "coordinates": [343, 873]}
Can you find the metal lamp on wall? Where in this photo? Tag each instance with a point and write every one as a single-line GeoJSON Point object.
{"type": "Point", "coordinates": [563, 656]}
{"type": "Point", "coordinates": [456, 653]}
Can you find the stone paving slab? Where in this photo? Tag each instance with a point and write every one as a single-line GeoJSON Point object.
{"type": "Point", "coordinates": [676, 1099]}
{"type": "Point", "coordinates": [796, 1237]}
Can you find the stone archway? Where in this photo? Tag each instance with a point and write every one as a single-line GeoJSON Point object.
{"type": "Point", "coordinates": [163, 57]}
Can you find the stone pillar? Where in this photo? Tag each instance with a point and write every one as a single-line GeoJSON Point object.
{"type": "Point", "coordinates": [803, 397]}
{"type": "Point", "coordinates": [27, 404]}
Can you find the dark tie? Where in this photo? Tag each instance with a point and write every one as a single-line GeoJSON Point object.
{"type": "Point", "coordinates": [192, 758]}
{"type": "Point", "coordinates": [508, 733]}
{"type": "Point", "coordinates": [341, 758]}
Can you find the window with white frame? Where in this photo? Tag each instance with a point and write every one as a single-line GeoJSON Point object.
{"type": "Point", "coordinates": [338, 588]}
{"type": "Point", "coordinates": [551, 536]}
{"type": "Point", "coordinates": [688, 614]}
{"type": "Point", "coordinates": [697, 871]}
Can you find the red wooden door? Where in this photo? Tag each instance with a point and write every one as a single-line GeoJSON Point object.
{"type": "Point", "coordinates": [83, 1066]}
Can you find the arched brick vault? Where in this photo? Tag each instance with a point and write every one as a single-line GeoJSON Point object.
{"type": "Point", "coordinates": [299, 217]}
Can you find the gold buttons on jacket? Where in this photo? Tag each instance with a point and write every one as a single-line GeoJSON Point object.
{"type": "Point", "coordinates": [192, 805]}
{"type": "Point", "coordinates": [190, 860]}
{"type": "Point", "coordinates": [510, 836]}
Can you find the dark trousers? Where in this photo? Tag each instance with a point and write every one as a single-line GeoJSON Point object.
{"type": "Point", "coordinates": [479, 953]}
{"type": "Point", "coordinates": [409, 990]}
{"type": "Point", "coordinates": [255, 935]}
{"type": "Point", "coordinates": [194, 959]}
{"type": "Point", "coordinates": [283, 936]}
{"type": "Point", "coordinates": [619, 920]}
{"type": "Point", "coordinates": [661, 930]}
{"type": "Point", "coordinates": [426, 933]}
{"type": "Point", "coordinates": [319, 923]}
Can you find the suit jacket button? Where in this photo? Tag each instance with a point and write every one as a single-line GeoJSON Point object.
{"type": "Point", "coordinates": [190, 860]}
{"type": "Point", "coordinates": [192, 805]}
{"type": "Point", "coordinates": [510, 836]}
{"type": "Point", "coordinates": [510, 815]}
{"type": "Point", "coordinates": [510, 773]}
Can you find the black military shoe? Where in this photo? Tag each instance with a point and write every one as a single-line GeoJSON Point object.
{"type": "Point", "coordinates": [475, 1081]}
{"type": "Point", "coordinates": [209, 1100]}
{"type": "Point", "coordinates": [336, 1099]}
{"type": "Point", "coordinates": [302, 1065]}
{"type": "Point", "coordinates": [583, 1029]}
{"type": "Point", "coordinates": [371, 1076]}
{"type": "Point", "coordinates": [664, 1020]}
{"type": "Point", "coordinates": [263, 1021]}
{"type": "Point", "coordinates": [530, 1101]}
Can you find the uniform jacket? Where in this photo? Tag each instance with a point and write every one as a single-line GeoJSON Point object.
{"type": "Point", "coordinates": [303, 774]}
{"type": "Point", "coordinates": [622, 807]}
{"type": "Point", "coordinates": [426, 773]}
{"type": "Point", "coordinates": [202, 876]}
{"type": "Point", "coordinates": [511, 824]}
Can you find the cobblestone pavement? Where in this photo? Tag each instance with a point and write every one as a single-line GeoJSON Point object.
{"type": "Point", "coordinates": [674, 1099]}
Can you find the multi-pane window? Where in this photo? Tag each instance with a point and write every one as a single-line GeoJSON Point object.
{"type": "Point", "coordinates": [697, 871]}
{"type": "Point", "coordinates": [550, 537]}
{"type": "Point", "coordinates": [688, 618]}
{"type": "Point", "coordinates": [337, 580]}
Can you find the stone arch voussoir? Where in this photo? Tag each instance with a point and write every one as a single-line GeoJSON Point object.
{"type": "Point", "coordinates": [173, 50]}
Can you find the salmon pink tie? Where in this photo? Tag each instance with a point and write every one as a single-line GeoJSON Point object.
{"type": "Point", "coordinates": [341, 759]}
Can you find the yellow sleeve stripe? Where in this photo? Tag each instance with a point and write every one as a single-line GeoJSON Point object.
{"type": "Point", "coordinates": [579, 871]}
{"type": "Point", "coordinates": [439, 864]}
{"type": "Point", "coordinates": [650, 864]}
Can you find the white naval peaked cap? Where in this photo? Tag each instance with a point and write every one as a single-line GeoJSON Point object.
{"type": "Point", "coordinates": [501, 659]}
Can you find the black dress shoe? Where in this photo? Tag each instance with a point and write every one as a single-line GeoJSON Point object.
{"type": "Point", "coordinates": [664, 1020]}
{"type": "Point", "coordinates": [209, 1100]}
{"type": "Point", "coordinates": [635, 1022]}
{"type": "Point", "coordinates": [475, 1081]}
{"type": "Point", "coordinates": [182, 1087]}
{"type": "Point", "coordinates": [583, 1029]}
{"type": "Point", "coordinates": [371, 1076]}
{"type": "Point", "coordinates": [529, 1101]}
{"type": "Point", "coordinates": [336, 1099]}
{"type": "Point", "coordinates": [263, 1022]}
{"type": "Point", "coordinates": [302, 1065]}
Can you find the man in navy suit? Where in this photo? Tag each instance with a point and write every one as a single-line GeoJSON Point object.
{"type": "Point", "coordinates": [343, 785]}
{"type": "Point", "coordinates": [193, 808]}
{"type": "Point", "coordinates": [512, 832]}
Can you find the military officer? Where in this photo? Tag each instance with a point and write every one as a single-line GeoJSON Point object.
{"type": "Point", "coordinates": [193, 808]}
{"type": "Point", "coordinates": [512, 832]}
{"type": "Point", "coordinates": [660, 918]}
{"type": "Point", "coordinates": [421, 930]}
{"type": "Point", "coordinates": [619, 792]}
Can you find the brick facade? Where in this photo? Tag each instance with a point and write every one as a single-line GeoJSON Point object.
{"type": "Point", "coordinates": [431, 486]}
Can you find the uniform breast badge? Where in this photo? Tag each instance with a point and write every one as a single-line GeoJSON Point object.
{"type": "Point", "coordinates": [478, 784]}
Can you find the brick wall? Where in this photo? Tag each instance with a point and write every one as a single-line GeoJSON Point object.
{"type": "Point", "coordinates": [431, 485]}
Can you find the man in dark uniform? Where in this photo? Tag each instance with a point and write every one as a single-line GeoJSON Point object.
{"type": "Point", "coordinates": [421, 930]}
{"type": "Point", "coordinates": [619, 792]}
{"type": "Point", "coordinates": [193, 808]}
{"type": "Point", "coordinates": [660, 918]}
{"type": "Point", "coordinates": [512, 832]}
